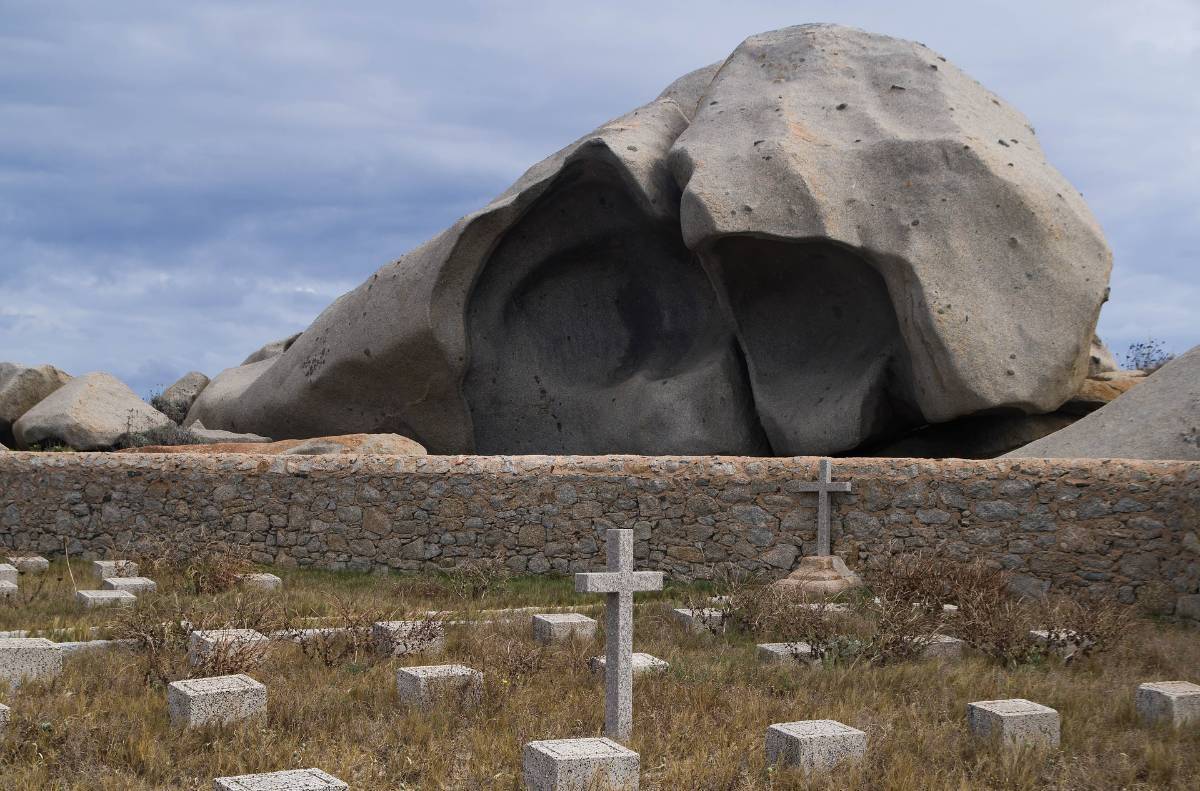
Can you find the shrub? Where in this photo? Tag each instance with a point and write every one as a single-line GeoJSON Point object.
{"type": "Point", "coordinates": [1148, 355]}
{"type": "Point", "coordinates": [170, 434]}
{"type": "Point", "coordinates": [478, 577]}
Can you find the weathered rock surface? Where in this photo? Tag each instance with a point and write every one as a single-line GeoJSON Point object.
{"type": "Point", "coordinates": [833, 237]}
{"type": "Point", "coordinates": [272, 349]}
{"type": "Point", "coordinates": [177, 399]}
{"type": "Point", "coordinates": [1095, 392]}
{"type": "Point", "coordinates": [89, 412]}
{"type": "Point", "coordinates": [1100, 359]}
{"type": "Point", "coordinates": [984, 437]}
{"type": "Point", "coordinates": [361, 444]}
{"type": "Point", "coordinates": [21, 388]}
{"type": "Point", "coordinates": [212, 436]}
{"type": "Point", "coordinates": [1158, 419]}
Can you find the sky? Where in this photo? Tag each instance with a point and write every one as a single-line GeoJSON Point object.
{"type": "Point", "coordinates": [181, 183]}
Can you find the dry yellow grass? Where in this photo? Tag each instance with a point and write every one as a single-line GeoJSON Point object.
{"type": "Point", "coordinates": [102, 725]}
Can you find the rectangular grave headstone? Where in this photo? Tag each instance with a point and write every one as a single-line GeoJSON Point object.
{"type": "Point", "coordinates": [237, 645]}
{"type": "Point", "coordinates": [219, 699]}
{"type": "Point", "coordinates": [814, 745]}
{"type": "Point", "coordinates": [5, 717]}
{"type": "Point", "coordinates": [27, 658]}
{"type": "Point", "coordinates": [8, 589]}
{"type": "Point", "coordinates": [579, 765]}
{"type": "Point", "coordinates": [640, 664]}
{"type": "Point", "coordinates": [104, 598]}
{"type": "Point", "coordinates": [943, 646]}
{"type": "Point", "coordinates": [130, 584]}
{"type": "Point", "coordinates": [267, 582]}
{"type": "Point", "coordinates": [1015, 723]}
{"type": "Point", "coordinates": [287, 780]}
{"type": "Point", "coordinates": [103, 569]}
{"type": "Point", "coordinates": [786, 652]}
{"type": "Point", "coordinates": [556, 627]}
{"type": "Point", "coordinates": [30, 564]}
{"type": "Point", "coordinates": [401, 638]}
{"type": "Point", "coordinates": [10, 573]}
{"type": "Point", "coordinates": [1174, 703]}
{"type": "Point", "coordinates": [425, 685]}
{"type": "Point", "coordinates": [699, 621]}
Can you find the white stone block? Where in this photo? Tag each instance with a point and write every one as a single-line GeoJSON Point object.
{"type": "Point", "coordinates": [10, 573]}
{"type": "Point", "coordinates": [28, 658]}
{"type": "Point", "coordinates": [708, 619]}
{"type": "Point", "coordinates": [267, 582]}
{"type": "Point", "coordinates": [579, 765]}
{"type": "Point", "coordinates": [8, 589]}
{"type": "Point", "coordinates": [5, 717]}
{"type": "Point", "coordinates": [30, 564]}
{"type": "Point", "coordinates": [423, 686]}
{"type": "Point", "coordinates": [103, 569]}
{"type": "Point", "coordinates": [943, 646]}
{"type": "Point", "coordinates": [1016, 722]}
{"type": "Point", "coordinates": [1063, 642]}
{"type": "Point", "coordinates": [814, 745]}
{"type": "Point", "coordinates": [288, 780]}
{"type": "Point", "coordinates": [1172, 703]}
{"type": "Point", "coordinates": [555, 627]}
{"type": "Point", "coordinates": [786, 652]}
{"type": "Point", "coordinates": [236, 645]}
{"type": "Point", "coordinates": [400, 638]}
{"type": "Point", "coordinates": [109, 598]}
{"type": "Point", "coordinates": [220, 699]}
{"type": "Point", "coordinates": [642, 664]}
{"type": "Point", "coordinates": [130, 584]}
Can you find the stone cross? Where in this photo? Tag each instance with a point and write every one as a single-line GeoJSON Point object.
{"type": "Point", "coordinates": [619, 582]}
{"type": "Point", "coordinates": [823, 486]}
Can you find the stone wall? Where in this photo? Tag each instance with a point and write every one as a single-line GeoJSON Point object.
{"type": "Point", "coordinates": [1113, 526]}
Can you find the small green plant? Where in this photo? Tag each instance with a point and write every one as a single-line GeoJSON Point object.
{"type": "Point", "coordinates": [170, 434]}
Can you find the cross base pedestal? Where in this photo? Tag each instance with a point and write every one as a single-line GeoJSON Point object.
{"type": "Point", "coordinates": [822, 575]}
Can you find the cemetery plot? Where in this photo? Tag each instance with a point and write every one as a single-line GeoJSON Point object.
{"type": "Point", "coordinates": [333, 702]}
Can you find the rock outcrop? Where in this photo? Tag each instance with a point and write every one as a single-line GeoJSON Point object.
{"type": "Point", "coordinates": [272, 349]}
{"type": "Point", "coordinates": [177, 399]}
{"type": "Point", "coordinates": [360, 444]}
{"type": "Point", "coordinates": [90, 412]}
{"type": "Point", "coordinates": [825, 240]}
{"type": "Point", "coordinates": [1100, 359]}
{"type": "Point", "coordinates": [213, 436]}
{"type": "Point", "coordinates": [21, 388]}
{"type": "Point", "coordinates": [1158, 419]}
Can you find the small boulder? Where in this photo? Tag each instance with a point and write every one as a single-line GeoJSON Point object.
{"type": "Point", "coordinates": [177, 399]}
{"type": "Point", "coordinates": [21, 388]}
{"type": "Point", "coordinates": [90, 412]}
{"type": "Point", "coordinates": [225, 389]}
{"type": "Point", "coordinates": [213, 436]}
{"type": "Point", "coordinates": [272, 349]}
{"type": "Point", "coordinates": [348, 444]}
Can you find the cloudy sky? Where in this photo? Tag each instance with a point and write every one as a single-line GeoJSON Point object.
{"type": "Point", "coordinates": [182, 182]}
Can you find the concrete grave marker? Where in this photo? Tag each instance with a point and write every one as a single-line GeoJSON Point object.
{"type": "Point", "coordinates": [5, 717]}
{"type": "Point", "coordinates": [786, 652]}
{"type": "Point", "coordinates": [556, 627]}
{"type": "Point", "coordinates": [287, 780]}
{"type": "Point", "coordinates": [219, 699]}
{"type": "Point", "coordinates": [8, 589]}
{"type": "Point", "coordinates": [10, 573]}
{"type": "Point", "coordinates": [641, 664]}
{"type": "Point", "coordinates": [401, 638]}
{"type": "Point", "coordinates": [814, 745]}
{"type": "Point", "coordinates": [619, 582]}
{"type": "Point", "coordinates": [242, 645]}
{"type": "Point", "coordinates": [709, 619]}
{"type": "Point", "coordinates": [267, 582]}
{"type": "Point", "coordinates": [130, 584]}
{"type": "Point", "coordinates": [30, 564]}
{"type": "Point", "coordinates": [579, 765]}
{"type": "Point", "coordinates": [1174, 703]}
{"type": "Point", "coordinates": [105, 598]}
{"type": "Point", "coordinates": [103, 569]}
{"type": "Point", "coordinates": [28, 658]}
{"type": "Point", "coordinates": [1016, 722]}
{"type": "Point", "coordinates": [422, 686]}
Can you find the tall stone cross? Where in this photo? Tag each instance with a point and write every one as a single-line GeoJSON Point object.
{"type": "Point", "coordinates": [823, 486]}
{"type": "Point", "coordinates": [619, 582]}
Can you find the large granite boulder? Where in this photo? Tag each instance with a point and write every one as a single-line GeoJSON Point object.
{"type": "Point", "coordinates": [216, 436]}
{"type": "Point", "coordinates": [22, 387]}
{"type": "Point", "coordinates": [1158, 419]}
{"type": "Point", "coordinates": [176, 400]}
{"type": "Point", "coordinates": [272, 349]}
{"type": "Point", "coordinates": [90, 412]}
{"type": "Point", "coordinates": [825, 240]}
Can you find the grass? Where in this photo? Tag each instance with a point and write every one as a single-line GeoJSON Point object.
{"type": "Point", "coordinates": [102, 724]}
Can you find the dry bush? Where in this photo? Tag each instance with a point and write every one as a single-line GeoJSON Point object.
{"type": "Point", "coordinates": [989, 618]}
{"type": "Point", "coordinates": [348, 639]}
{"type": "Point", "coordinates": [216, 571]}
{"type": "Point", "coordinates": [904, 608]}
{"type": "Point", "coordinates": [772, 614]}
{"type": "Point", "coordinates": [477, 577]}
{"type": "Point", "coordinates": [1083, 626]}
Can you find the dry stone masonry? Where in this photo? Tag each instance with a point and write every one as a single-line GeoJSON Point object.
{"type": "Point", "coordinates": [1118, 528]}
